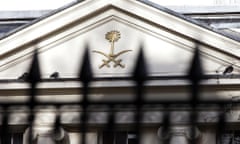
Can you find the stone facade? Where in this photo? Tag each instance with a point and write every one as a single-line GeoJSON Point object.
{"type": "Point", "coordinates": [169, 41]}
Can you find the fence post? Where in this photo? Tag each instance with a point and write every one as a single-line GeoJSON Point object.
{"type": "Point", "coordinates": [139, 75]}
{"type": "Point", "coordinates": [85, 76]}
{"type": "Point", "coordinates": [195, 75]}
{"type": "Point", "coordinates": [33, 79]}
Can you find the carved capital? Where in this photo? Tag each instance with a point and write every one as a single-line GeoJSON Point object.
{"type": "Point", "coordinates": [184, 131]}
{"type": "Point", "coordinates": [43, 134]}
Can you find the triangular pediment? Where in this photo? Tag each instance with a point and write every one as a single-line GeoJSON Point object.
{"type": "Point", "coordinates": [168, 41]}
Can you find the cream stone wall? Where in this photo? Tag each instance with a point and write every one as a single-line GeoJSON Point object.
{"type": "Point", "coordinates": [91, 138]}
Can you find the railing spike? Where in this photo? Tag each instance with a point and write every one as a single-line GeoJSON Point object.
{"type": "Point", "coordinates": [85, 73]}
{"type": "Point", "coordinates": [195, 73]}
{"type": "Point", "coordinates": [140, 70]}
{"type": "Point", "coordinates": [34, 75]}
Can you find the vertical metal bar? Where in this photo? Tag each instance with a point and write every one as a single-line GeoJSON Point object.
{"type": "Point", "coordinates": [110, 126]}
{"type": "Point", "coordinates": [195, 75]}
{"type": "Point", "coordinates": [33, 78]}
{"type": "Point", "coordinates": [139, 76]}
{"type": "Point", "coordinates": [224, 108]}
{"type": "Point", "coordinates": [221, 124]}
{"type": "Point", "coordinates": [57, 124]}
{"type": "Point", "coordinates": [85, 76]}
{"type": "Point", "coordinates": [4, 127]}
{"type": "Point", "coordinates": [31, 117]}
{"type": "Point", "coordinates": [84, 116]}
{"type": "Point", "coordinates": [166, 124]}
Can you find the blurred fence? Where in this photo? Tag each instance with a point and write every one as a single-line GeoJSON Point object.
{"type": "Point", "coordinates": [139, 75]}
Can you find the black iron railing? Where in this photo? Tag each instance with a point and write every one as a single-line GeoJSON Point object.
{"type": "Point", "coordinates": [139, 76]}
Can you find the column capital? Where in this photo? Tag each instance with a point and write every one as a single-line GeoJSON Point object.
{"type": "Point", "coordinates": [184, 131]}
{"type": "Point", "coordinates": [43, 134]}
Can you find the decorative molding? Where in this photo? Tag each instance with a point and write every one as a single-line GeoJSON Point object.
{"type": "Point", "coordinates": [184, 131]}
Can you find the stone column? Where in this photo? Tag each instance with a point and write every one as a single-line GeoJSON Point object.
{"type": "Point", "coordinates": [178, 134]}
{"type": "Point", "coordinates": [46, 135]}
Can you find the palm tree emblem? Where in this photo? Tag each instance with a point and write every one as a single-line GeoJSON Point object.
{"type": "Point", "coordinates": [112, 36]}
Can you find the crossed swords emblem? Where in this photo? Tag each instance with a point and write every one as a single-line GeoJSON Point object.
{"type": "Point", "coordinates": [112, 37]}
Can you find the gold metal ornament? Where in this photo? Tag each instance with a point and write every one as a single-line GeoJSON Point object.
{"type": "Point", "coordinates": [112, 36]}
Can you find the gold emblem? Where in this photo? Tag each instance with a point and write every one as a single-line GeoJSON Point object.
{"type": "Point", "coordinates": [112, 37]}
